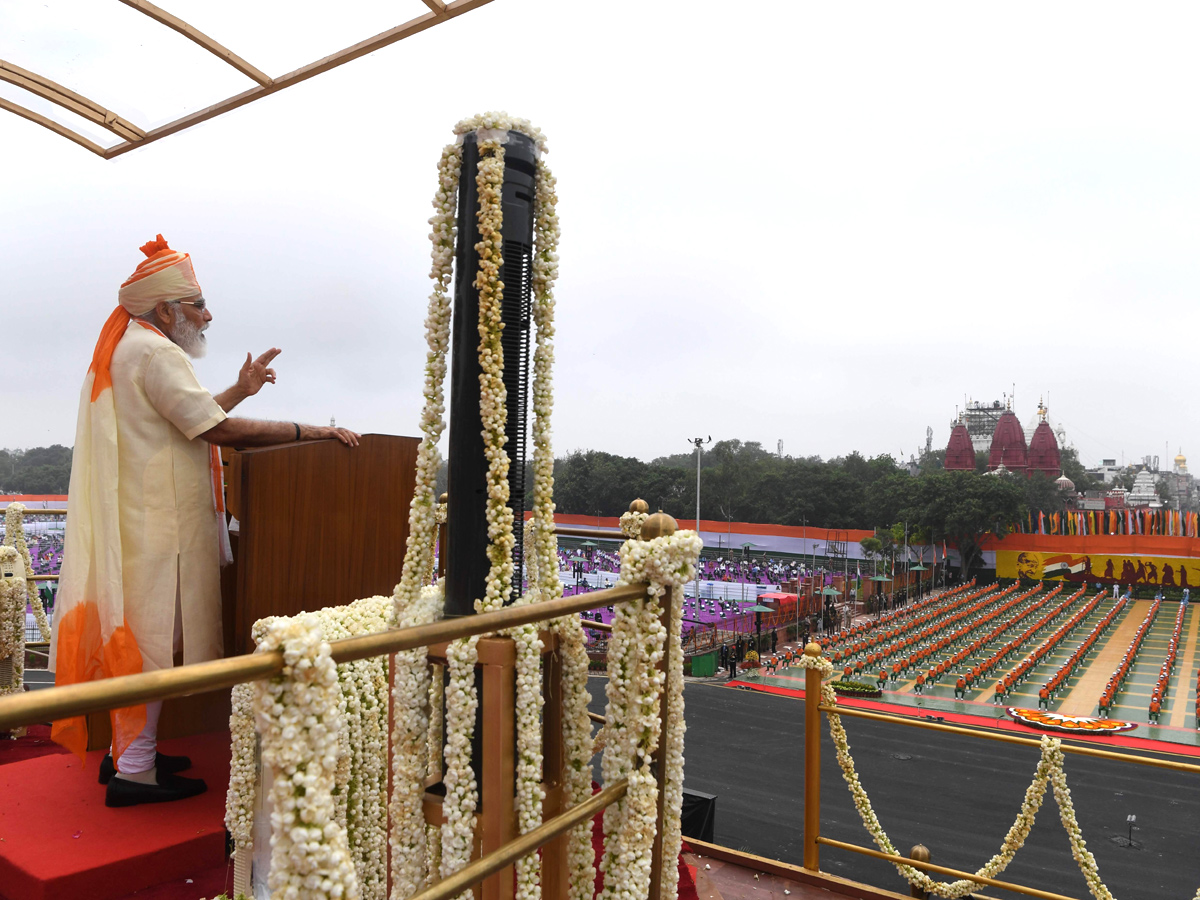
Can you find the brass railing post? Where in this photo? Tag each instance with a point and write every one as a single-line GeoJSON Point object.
{"type": "Point", "coordinates": [921, 854]}
{"type": "Point", "coordinates": [812, 761]}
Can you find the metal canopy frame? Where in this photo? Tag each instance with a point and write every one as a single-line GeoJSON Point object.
{"type": "Point", "coordinates": [133, 137]}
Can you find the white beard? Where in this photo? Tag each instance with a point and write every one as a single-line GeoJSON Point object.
{"type": "Point", "coordinates": [189, 338]}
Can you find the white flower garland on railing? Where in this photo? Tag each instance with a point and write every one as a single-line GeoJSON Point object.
{"type": "Point", "coordinates": [359, 794]}
{"type": "Point", "coordinates": [462, 791]}
{"type": "Point", "coordinates": [12, 618]}
{"type": "Point", "coordinates": [631, 523]}
{"type": "Point", "coordinates": [297, 716]}
{"type": "Point", "coordinates": [632, 724]}
{"type": "Point", "coordinates": [411, 693]}
{"type": "Point", "coordinates": [243, 780]}
{"type": "Point", "coordinates": [14, 536]}
{"type": "Point", "coordinates": [1050, 772]}
{"type": "Point", "coordinates": [362, 767]}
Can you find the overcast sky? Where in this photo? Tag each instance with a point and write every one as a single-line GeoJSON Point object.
{"type": "Point", "coordinates": [821, 224]}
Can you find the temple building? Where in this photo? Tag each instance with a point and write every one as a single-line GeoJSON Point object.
{"type": "Point", "coordinates": [1044, 455]}
{"type": "Point", "coordinates": [1144, 491]}
{"type": "Point", "coordinates": [1008, 445]}
{"type": "Point", "coordinates": [960, 453]}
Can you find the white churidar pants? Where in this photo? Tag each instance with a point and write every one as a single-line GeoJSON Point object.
{"type": "Point", "coordinates": [139, 756]}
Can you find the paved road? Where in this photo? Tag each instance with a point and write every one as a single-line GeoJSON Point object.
{"type": "Point", "coordinates": [956, 795]}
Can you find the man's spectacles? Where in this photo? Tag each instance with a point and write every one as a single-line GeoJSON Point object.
{"type": "Point", "coordinates": [199, 304]}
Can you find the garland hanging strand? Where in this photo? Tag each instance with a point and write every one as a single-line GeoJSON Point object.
{"type": "Point", "coordinates": [410, 749]}
{"type": "Point", "coordinates": [1049, 772]}
{"type": "Point", "coordinates": [632, 724]}
{"type": "Point", "coordinates": [416, 601]}
{"type": "Point", "coordinates": [12, 618]}
{"type": "Point", "coordinates": [297, 715]}
{"type": "Point", "coordinates": [462, 792]}
{"type": "Point", "coordinates": [493, 411]}
{"type": "Point", "coordinates": [422, 518]}
{"type": "Point", "coordinates": [14, 536]}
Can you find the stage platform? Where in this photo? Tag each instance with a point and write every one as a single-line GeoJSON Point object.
{"type": "Point", "coordinates": [58, 841]}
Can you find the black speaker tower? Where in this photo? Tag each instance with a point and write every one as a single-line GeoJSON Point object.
{"type": "Point", "coordinates": [467, 541]}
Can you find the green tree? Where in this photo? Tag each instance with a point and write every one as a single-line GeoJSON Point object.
{"type": "Point", "coordinates": [1074, 470]}
{"type": "Point", "coordinates": [38, 470]}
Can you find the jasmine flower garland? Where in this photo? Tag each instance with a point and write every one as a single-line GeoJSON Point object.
{"type": "Point", "coordinates": [462, 792]}
{"type": "Point", "coordinates": [14, 536]}
{"type": "Point", "coordinates": [416, 699]}
{"type": "Point", "coordinates": [359, 791]}
{"type": "Point", "coordinates": [632, 725]}
{"type": "Point", "coordinates": [631, 523]}
{"type": "Point", "coordinates": [1049, 773]}
{"type": "Point", "coordinates": [297, 716]}
{"type": "Point", "coordinates": [243, 780]}
{"type": "Point", "coordinates": [411, 692]}
{"type": "Point", "coordinates": [12, 617]}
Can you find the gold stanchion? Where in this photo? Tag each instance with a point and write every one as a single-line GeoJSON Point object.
{"type": "Point", "coordinates": [812, 761]}
{"type": "Point", "coordinates": [921, 854]}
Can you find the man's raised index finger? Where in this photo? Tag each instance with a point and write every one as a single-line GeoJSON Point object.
{"type": "Point", "coordinates": [266, 358]}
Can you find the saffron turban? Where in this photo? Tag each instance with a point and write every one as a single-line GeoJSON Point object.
{"type": "Point", "coordinates": [164, 274]}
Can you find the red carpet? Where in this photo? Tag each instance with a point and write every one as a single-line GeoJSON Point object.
{"type": "Point", "coordinates": [35, 743]}
{"type": "Point", "coordinates": [58, 841]}
{"type": "Point", "coordinates": [687, 874]}
{"type": "Point", "coordinates": [1003, 724]}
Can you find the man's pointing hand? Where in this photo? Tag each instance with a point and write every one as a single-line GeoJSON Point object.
{"type": "Point", "coordinates": [255, 373]}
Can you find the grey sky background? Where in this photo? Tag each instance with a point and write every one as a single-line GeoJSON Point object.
{"type": "Point", "coordinates": [817, 223]}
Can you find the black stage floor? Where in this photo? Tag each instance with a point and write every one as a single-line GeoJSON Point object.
{"type": "Point", "coordinates": [956, 795]}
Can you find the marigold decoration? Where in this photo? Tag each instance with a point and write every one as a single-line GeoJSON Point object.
{"type": "Point", "coordinates": [14, 536]}
{"type": "Point", "coordinates": [1049, 773]}
{"type": "Point", "coordinates": [1051, 721]}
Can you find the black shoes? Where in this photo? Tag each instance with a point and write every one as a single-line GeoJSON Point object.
{"type": "Point", "coordinates": [167, 765]}
{"type": "Point", "coordinates": [122, 792]}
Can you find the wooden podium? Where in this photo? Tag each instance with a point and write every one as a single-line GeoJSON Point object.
{"type": "Point", "coordinates": [319, 524]}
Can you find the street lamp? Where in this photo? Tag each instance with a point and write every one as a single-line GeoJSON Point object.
{"type": "Point", "coordinates": [699, 445]}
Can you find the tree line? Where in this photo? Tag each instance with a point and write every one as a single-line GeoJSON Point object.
{"type": "Point", "coordinates": [744, 482]}
{"type": "Point", "coordinates": [38, 470]}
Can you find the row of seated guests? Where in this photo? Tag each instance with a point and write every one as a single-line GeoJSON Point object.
{"type": "Point", "coordinates": [1025, 668]}
{"type": "Point", "coordinates": [1164, 673]}
{"type": "Point", "coordinates": [976, 674]}
{"type": "Point", "coordinates": [1198, 700]}
{"type": "Point", "coordinates": [927, 643]}
{"type": "Point", "coordinates": [1116, 681]}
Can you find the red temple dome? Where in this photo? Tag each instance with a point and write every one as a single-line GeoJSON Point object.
{"type": "Point", "coordinates": [960, 454]}
{"type": "Point", "coordinates": [1008, 445]}
{"type": "Point", "coordinates": [1044, 455]}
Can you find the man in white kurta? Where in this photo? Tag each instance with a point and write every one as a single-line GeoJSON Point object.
{"type": "Point", "coordinates": [169, 533]}
{"type": "Point", "coordinates": [146, 526]}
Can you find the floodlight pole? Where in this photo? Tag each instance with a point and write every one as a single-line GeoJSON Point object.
{"type": "Point", "coordinates": [699, 444]}
{"type": "Point", "coordinates": [799, 577]}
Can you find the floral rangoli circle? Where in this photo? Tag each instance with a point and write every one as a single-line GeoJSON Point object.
{"type": "Point", "coordinates": [1051, 721]}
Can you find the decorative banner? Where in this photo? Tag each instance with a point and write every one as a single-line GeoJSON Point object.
{"type": "Point", "coordinates": [1049, 721]}
{"type": "Point", "coordinates": [1163, 571]}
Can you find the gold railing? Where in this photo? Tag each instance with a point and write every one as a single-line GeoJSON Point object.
{"type": "Point", "coordinates": [113, 693]}
{"type": "Point", "coordinates": [813, 707]}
